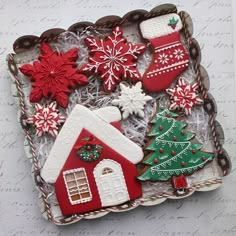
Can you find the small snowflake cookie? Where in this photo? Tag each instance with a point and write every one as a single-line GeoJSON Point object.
{"type": "Point", "coordinates": [46, 119]}
{"type": "Point", "coordinates": [184, 96]}
{"type": "Point", "coordinates": [132, 100]}
{"type": "Point", "coordinates": [113, 59]}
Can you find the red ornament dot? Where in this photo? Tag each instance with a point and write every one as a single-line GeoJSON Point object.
{"type": "Point", "coordinates": [182, 132]}
{"type": "Point", "coordinates": [183, 164]}
{"type": "Point", "coordinates": [156, 161]}
{"type": "Point", "coordinates": [203, 158]}
{"type": "Point", "coordinates": [160, 128]}
{"type": "Point", "coordinates": [161, 150]}
{"type": "Point", "coordinates": [88, 147]}
{"type": "Point", "coordinates": [168, 115]}
{"type": "Point", "coordinates": [174, 138]}
{"type": "Point", "coordinates": [193, 151]}
{"type": "Point", "coordinates": [91, 156]}
{"type": "Point", "coordinates": [172, 153]}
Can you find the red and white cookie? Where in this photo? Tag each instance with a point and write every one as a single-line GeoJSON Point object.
{"type": "Point", "coordinates": [170, 58]}
{"type": "Point", "coordinates": [113, 59]}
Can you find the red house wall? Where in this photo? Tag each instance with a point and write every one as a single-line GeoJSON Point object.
{"type": "Point", "coordinates": [73, 162]}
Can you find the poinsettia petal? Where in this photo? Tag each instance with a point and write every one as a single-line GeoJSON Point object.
{"type": "Point", "coordinates": [70, 55]}
{"type": "Point", "coordinates": [45, 49]}
{"type": "Point", "coordinates": [37, 66]}
{"type": "Point", "coordinates": [62, 99]}
{"type": "Point", "coordinates": [35, 95]}
{"type": "Point", "coordinates": [27, 69]}
{"type": "Point", "coordinates": [80, 79]}
{"type": "Point", "coordinates": [46, 91]}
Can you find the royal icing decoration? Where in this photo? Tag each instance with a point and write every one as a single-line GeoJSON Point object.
{"type": "Point", "coordinates": [132, 100]}
{"type": "Point", "coordinates": [46, 119]}
{"type": "Point", "coordinates": [184, 96]}
{"type": "Point", "coordinates": [53, 75]}
{"type": "Point", "coordinates": [179, 182]}
{"type": "Point", "coordinates": [113, 59]}
{"type": "Point", "coordinates": [170, 149]}
{"type": "Point", "coordinates": [109, 179]}
{"type": "Point", "coordinates": [170, 58]}
{"type": "Point", "coordinates": [89, 149]}
{"type": "Point", "coordinates": [173, 22]}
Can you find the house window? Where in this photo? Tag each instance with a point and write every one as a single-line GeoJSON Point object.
{"type": "Point", "coordinates": [77, 186]}
{"type": "Point", "coordinates": [106, 171]}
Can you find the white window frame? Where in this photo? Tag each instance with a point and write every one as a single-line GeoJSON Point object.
{"type": "Point", "coordinates": [82, 200]}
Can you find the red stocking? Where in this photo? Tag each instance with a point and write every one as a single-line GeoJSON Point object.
{"type": "Point", "coordinates": [170, 58]}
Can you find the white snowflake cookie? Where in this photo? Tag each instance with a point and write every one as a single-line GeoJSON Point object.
{"type": "Point", "coordinates": [131, 100]}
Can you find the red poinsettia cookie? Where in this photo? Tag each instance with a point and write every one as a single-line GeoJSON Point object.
{"type": "Point", "coordinates": [53, 75]}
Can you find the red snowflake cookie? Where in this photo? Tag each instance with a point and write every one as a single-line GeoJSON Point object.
{"type": "Point", "coordinates": [46, 119]}
{"type": "Point", "coordinates": [54, 75]}
{"type": "Point", "coordinates": [113, 59]}
{"type": "Point", "coordinates": [184, 96]}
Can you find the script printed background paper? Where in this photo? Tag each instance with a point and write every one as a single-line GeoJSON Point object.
{"type": "Point", "coordinates": [210, 213]}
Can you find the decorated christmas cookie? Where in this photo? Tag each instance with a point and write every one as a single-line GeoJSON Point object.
{"type": "Point", "coordinates": [170, 58]}
{"type": "Point", "coordinates": [184, 96]}
{"type": "Point", "coordinates": [132, 100]}
{"type": "Point", "coordinates": [53, 75]}
{"type": "Point", "coordinates": [140, 129]}
{"type": "Point", "coordinates": [113, 59]}
{"type": "Point", "coordinates": [171, 153]}
{"type": "Point", "coordinates": [46, 119]}
{"type": "Point", "coordinates": [89, 169]}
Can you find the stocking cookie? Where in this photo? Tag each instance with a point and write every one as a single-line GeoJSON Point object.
{"type": "Point", "coordinates": [170, 58]}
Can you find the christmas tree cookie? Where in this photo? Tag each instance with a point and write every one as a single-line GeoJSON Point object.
{"type": "Point", "coordinates": [170, 151]}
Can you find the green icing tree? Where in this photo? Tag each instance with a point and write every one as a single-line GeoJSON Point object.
{"type": "Point", "coordinates": [170, 153]}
